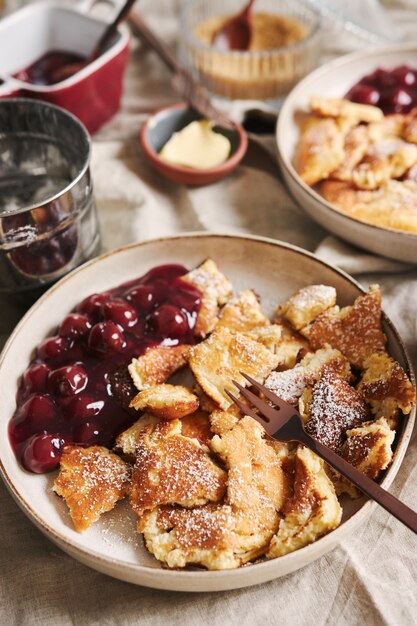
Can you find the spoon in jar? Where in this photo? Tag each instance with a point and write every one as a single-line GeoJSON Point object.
{"type": "Point", "coordinates": [236, 33]}
{"type": "Point", "coordinates": [69, 69]}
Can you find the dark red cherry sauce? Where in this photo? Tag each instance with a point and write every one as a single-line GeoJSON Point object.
{"type": "Point", "coordinates": [51, 68]}
{"type": "Point", "coordinates": [77, 388]}
{"type": "Point", "coordinates": [393, 91]}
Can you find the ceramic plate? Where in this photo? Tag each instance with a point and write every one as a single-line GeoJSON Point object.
{"type": "Point", "coordinates": [111, 545]}
{"type": "Point", "coordinates": [333, 80]}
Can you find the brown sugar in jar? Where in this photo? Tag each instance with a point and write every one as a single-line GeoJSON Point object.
{"type": "Point", "coordinates": [283, 49]}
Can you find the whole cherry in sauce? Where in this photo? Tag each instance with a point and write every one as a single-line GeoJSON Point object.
{"type": "Point", "coordinates": [393, 91]}
{"type": "Point", "coordinates": [74, 390]}
{"type": "Point", "coordinates": [47, 70]}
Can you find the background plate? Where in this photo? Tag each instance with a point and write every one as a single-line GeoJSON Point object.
{"type": "Point", "coordinates": [275, 270]}
{"type": "Point", "coordinates": [333, 80]}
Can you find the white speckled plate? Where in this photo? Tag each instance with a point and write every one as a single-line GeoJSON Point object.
{"type": "Point", "coordinates": [111, 546]}
{"type": "Point", "coordinates": [333, 80]}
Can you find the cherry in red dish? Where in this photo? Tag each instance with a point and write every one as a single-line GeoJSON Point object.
{"type": "Point", "coordinates": [393, 91]}
{"type": "Point", "coordinates": [50, 68]}
{"type": "Point", "coordinates": [75, 389]}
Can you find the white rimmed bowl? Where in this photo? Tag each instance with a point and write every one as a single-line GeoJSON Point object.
{"type": "Point", "coordinates": [333, 80]}
{"type": "Point", "coordinates": [111, 545]}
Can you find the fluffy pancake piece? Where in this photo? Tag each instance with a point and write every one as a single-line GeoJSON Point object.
{"type": "Point", "coordinates": [320, 149]}
{"type": "Point", "coordinates": [306, 304]}
{"type": "Point", "coordinates": [339, 107]}
{"type": "Point", "coordinates": [393, 205]}
{"type": "Point", "coordinates": [219, 359]}
{"type": "Point", "coordinates": [389, 158]}
{"type": "Point", "coordinates": [166, 401]}
{"type": "Point", "coordinates": [243, 313]}
{"type": "Point", "coordinates": [314, 509]}
{"type": "Point", "coordinates": [126, 441]}
{"type": "Point", "coordinates": [290, 384]}
{"type": "Point", "coordinates": [386, 387]}
{"type": "Point", "coordinates": [200, 536]}
{"type": "Point", "coordinates": [227, 535]}
{"type": "Point", "coordinates": [333, 408]}
{"type": "Point", "coordinates": [91, 481]}
{"type": "Point", "coordinates": [157, 365]}
{"type": "Point", "coordinates": [196, 426]}
{"type": "Point", "coordinates": [256, 487]}
{"type": "Point", "coordinates": [369, 449]}
{"type": "Point", "coordinates": [355, 146]}
{"type": "Point", "coordinates": [216, 290]}
{"type": "Point", "coordinates": [409, 130]}
{"type": "Point", "coordinates": [173, 469]}
{"type": "Point", "coordinates": [289, 347]}
{"type": "Point", "coordinates": [354, 330]}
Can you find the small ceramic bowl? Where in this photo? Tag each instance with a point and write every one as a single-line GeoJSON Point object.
{"type": "Point", "coordinates": [164, 123]}
{"type": "Point", "coordinates": [92, 94]}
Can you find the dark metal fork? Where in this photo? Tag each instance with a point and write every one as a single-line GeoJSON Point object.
{"type": "Point", "coordinates": [283, 422]}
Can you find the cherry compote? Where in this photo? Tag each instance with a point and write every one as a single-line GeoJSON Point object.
{"type": "Point", "coordinates": [51, 68]}
{"type": "Point", "coordinates": [393, 91]}
{"type": "Point", "coordinates": [71, 391]}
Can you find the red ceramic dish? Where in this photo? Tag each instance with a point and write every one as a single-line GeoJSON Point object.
{"type": "Point", "coordinates": [161, 126]}
{"type": "Point", "coordinates": [92, 94]}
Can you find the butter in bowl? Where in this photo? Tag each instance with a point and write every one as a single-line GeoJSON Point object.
{"type": "Point", "coordinates": [189, 150]}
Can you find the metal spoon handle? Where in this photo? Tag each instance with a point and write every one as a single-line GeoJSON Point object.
{"type": "Point", "coordinates": [111, 28]}
{"type": "Point", "coordinates": [369, 487]}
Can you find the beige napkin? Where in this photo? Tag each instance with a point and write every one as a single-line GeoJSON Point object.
{"type": "Point", "coordinates": [371, 578]}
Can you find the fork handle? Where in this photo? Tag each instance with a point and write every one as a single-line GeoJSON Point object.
{"type": "Point", "coordinates": [369, 487]}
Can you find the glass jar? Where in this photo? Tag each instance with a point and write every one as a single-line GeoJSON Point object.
{"type": "Point", "coordinates": [253, 74]}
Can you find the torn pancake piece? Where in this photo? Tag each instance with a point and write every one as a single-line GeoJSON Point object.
{"type": "Point", "coordinates": [369, 449]}
{"type": "Point", "coordinates": [339, 107]}
{"type": "Point", "coordinates": [216, 290]}
{"type": "Point", "coordinates": [157, 365]}
{"type": "Point", "coordinates": [256, 486]}
{"type": "Point", "coordinates": [320, 149]}
{"type": "Point", "coordinates": [312, 512]}
{"type": "Point", "coordinates": [91, 481]}
{"type": "Point", "coordinates": [386, 387]}
{"type": "Point", "coordinates": [354, 330]}
{"type": "Point", "coordinates": [221, 358]}
{"type": "Point", "coordinates": [290, 384]}
{"type": "Point", "coordinates": [200, 536]}
{"type": "Point", "coordinates": [306, 304]}
{"type": "Point", "coordinates": [173, 469]}
{"type": "Point", "coordinates": [166, 401]}
{"type": "Point", "coordinates": [333, 408]}
{"type": "Point", "coordinates": [290, 346]}
{"type": "Point", "coordinates": [227, 535]}
{"type": "Point", "coordinates": [243, 313]}
{"type": "Point", "coordinates": [355, 146]}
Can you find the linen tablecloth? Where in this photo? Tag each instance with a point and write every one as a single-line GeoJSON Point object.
{"type": "Point", "coordinates": [371, 578]}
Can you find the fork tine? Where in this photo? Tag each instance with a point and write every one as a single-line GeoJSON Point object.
{"type": "Point", "coordinates": [264, 390]}
{"type": "Point", "coordinates": [267, 411]}
{"type": "Point", "coordinates": [246, 410]}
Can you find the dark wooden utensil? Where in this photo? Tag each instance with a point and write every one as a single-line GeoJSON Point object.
{"type": "Point", "coordinates": [182, 81]}
{"type": "Point", "coordinates": [236, 34]}
{"type": "Point", "coordinates": [284, 423]}
{"type": "Point", "coordinates": [61, 73]}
